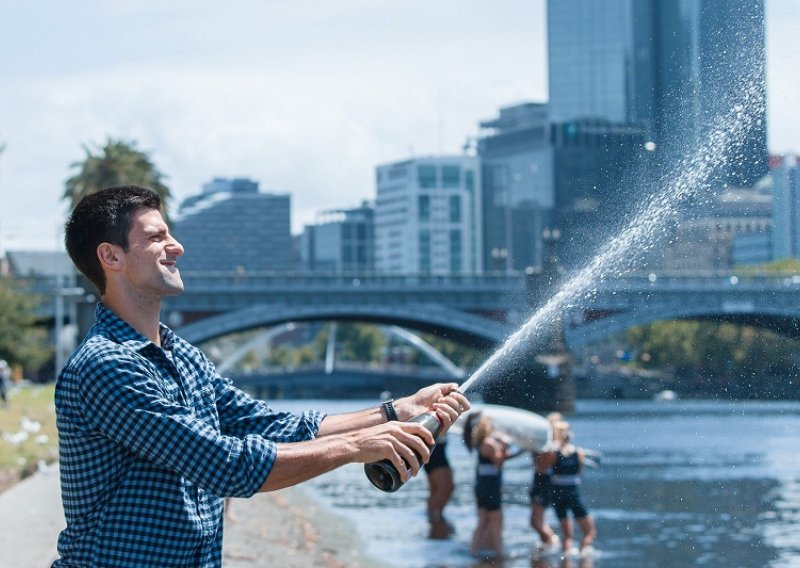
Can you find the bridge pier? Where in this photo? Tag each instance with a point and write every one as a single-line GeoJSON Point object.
{"type": "Point", "coordinates": [542, 382]}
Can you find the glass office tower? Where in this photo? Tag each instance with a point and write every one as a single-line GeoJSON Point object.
{"type": "Point", "coordinates": [669, 65]}
{"type": "Point", "coordinates": [552, 187]}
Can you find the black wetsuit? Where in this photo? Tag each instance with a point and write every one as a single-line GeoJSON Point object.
{"type": "Point", "coordinates": [488, 484]}
{"type": "Point", "coordinates": [564, 486]}
{"type": "Point", "coordinates": [438, 457]}
{"type": "Point", "coordinates": [541, 490]}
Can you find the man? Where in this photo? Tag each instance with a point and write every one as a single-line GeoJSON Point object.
{"type": "Point", "coordinates": [152, 439]}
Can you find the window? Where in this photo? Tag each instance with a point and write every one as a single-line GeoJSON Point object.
{"type": "Point", "coordinates": [426, 176]}
{"type": "Point", "coordinates": [424, 207]}
{"type": "Point", "coordinates": [424, 251]}
{"type": "Point", "coordinates": [455, 251]}
{"type": "Point", "coordinates": [469, 180]}
{"type": "Point", "coordinates": [455, 209]}
{"type": "Point", "coordinates": [451, 177]}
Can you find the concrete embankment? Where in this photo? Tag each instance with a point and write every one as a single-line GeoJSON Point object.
{"type": "Point", "coordinates": [284, 528]}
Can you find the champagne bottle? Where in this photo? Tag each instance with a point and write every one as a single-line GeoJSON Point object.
{"type": "Point", "coordinates": [383, 474]}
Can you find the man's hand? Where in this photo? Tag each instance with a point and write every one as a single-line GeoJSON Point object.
{"type": "Point", "coordinates": [443, 398]}
{"type": "Point", "coordinates": [398, 442]}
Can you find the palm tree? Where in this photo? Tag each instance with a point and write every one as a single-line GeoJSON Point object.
{"type": "Point", "coordinates": [117, 163]}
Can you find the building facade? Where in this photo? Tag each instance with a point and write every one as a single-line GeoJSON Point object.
{"type": "Point", "coordinates": [341, 240]}
{"type": "Point", "coordinates": [785, 207]}
{"type": "Point", "coordinates": [428, 216]}
{"type": "Point", "coordinates": [729, 230]}
{"type": "Point", "coordinates": [668, 65]}
{"type": "Point", "coordinates": [549, 187]}
{"type": "Point", "coordinates": [232, 227]}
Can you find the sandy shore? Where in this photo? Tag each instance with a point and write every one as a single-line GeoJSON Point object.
{"type": "Point", "coordinates": [284, 528]}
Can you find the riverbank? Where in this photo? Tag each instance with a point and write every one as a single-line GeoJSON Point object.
{"type": "Point", "coordinates": [283, 528]}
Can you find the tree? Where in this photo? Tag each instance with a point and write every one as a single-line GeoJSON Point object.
{"type": "Point", "coordinates": [117, 163]}
{"type": "Point", "coordinates": [22, 341]}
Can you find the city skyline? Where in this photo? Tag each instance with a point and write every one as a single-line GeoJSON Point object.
{"type": "Point", "coordinates": [272, 94]}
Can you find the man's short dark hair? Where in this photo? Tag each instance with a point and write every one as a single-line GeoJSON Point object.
{"type": "Point", "coordinates": [104, 217]}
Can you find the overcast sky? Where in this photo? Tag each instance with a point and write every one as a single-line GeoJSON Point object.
{"type": "Point", "coordinates": [304, 96]}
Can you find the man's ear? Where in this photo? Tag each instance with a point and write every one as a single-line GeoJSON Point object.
{"type": "Point", "coordinates": [110, 256]}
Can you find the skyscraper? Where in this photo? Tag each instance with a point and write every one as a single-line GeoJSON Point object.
{"type": "Point", "coordinates": [669, 65]}
{"type": "Point", "coordinates": [551, 184]}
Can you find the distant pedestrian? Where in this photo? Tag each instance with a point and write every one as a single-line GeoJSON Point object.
{"type": "Point", "coordinates": [440, 489]}
{"type": "Point", "coordinates": [5, 380]}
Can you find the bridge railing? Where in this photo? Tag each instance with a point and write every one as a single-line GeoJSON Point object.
{"type": "Point", "coordinates": [262, 280]}
{"type": "Point", "coordinates": [707, 279]}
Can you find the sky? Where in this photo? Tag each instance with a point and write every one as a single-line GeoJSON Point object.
{"type": "Point", "coordinates": [303, 96]}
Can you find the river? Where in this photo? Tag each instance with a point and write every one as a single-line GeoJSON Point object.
{"type": "Point", "coordinates": [682, 483]}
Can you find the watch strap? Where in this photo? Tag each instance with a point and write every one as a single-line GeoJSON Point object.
{"type": "Point", "coordinates": [388, 408]}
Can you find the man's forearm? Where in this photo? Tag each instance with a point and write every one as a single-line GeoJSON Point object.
{"type": "Point", "coordinates": [405, 408]}
{"type": "Point", "coordinates": [342, 423]}
{"type": "Point", "coordinates": [301, 461]}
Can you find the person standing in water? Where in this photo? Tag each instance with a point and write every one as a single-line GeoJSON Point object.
{"type": "Point", "coordinates": [543, 462]}
{"type": "Point", "coordinates": [440, 489]}
{"type": "Point", "coordinates": [487, 540]}
{"type": "Point", "coordinates": [565, 482]}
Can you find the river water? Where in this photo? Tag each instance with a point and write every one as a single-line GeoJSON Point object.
{"type": "Point", "coordinates": [682, 483]}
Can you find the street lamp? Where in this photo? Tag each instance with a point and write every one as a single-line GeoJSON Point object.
{"type": "Point", "coordinates": [549, 237]}
{"type": "Point", "coordinates": [500, 256]}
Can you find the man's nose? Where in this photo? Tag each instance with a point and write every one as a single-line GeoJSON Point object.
{"type": "Point", "coordinates": [175, 247]}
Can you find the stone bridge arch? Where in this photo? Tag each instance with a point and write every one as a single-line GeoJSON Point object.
{"type": "Point", "coordinates": [773, 318]}
{"type": "Point", "coordinates": [453, 324]}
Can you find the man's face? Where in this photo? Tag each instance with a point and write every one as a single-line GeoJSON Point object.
{"type": "Point", "coordinates": [151, 259]}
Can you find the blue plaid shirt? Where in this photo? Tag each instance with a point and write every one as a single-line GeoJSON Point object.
{"type": "Point", "coordinates": [150, 440]}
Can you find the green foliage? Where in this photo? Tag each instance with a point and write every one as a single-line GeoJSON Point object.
{"type": "Point", "coordinates": [290, 357]}
{"type": "Point", "coordinates": [22, 340]}
{"type": "Point", "coordinates": [360, 342]}
{"type": "Point", "coordinates": [462, 355]}
{"type": "Point", "coordinates": [782, 266]}
{"type": "Point", "coordinates": [116, 163]}
{"type": "Point", "coordinates": [713, 348]}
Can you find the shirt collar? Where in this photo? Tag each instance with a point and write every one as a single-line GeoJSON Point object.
{"type": "Point", "coordinates": [122, 332]}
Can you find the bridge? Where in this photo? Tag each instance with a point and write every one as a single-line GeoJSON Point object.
{"type": "Point", "coordinates": [479, 310]}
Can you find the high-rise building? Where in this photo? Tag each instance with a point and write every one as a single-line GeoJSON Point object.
{"type": "Point", "coordinates": [551, 184]}
{"type": "Point", "coordinates": [341, 240]}
{"type": "Point", "coordinates": [428, 216]}
{"type": "Point", "coordinates": [669, 65]}
{"type": "Point", "coordinates": [232, 227]}
{"type": "Point", "coordinates": [785, 207]}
